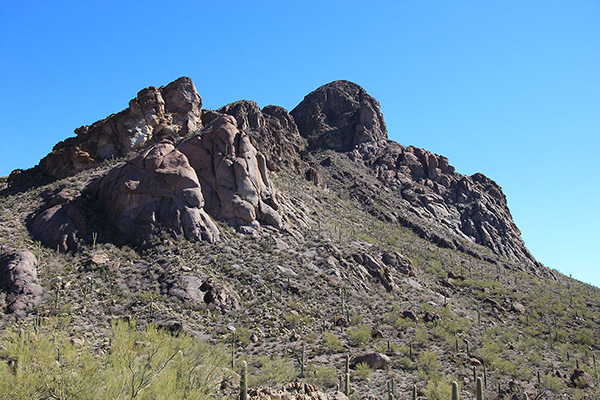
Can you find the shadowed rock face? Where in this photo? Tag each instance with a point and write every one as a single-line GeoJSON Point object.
{"type": "Point", "coordinates": [453, 205]}
{"type": "Point", "coordinates": [158, 188]}
{"type": "Point", "coordinates": [19, 280]}
{"type": "Point", "coordinates": [233, 175]}
{"type": "Point", "coordinates": [166, 112]}
{"type": "Point", "coordinates": [338, 116]}
{"type": "Point", "coordinates": [273, 132]}
{"type": "Point", "coordinates": [61, 222]}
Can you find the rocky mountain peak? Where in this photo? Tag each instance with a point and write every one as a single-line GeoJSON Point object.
{"type": "Point", "coordinates": [338, 116]}
{"type": "Point", "coordinates": [182, 181]}
{"type": "Point", "coordinates": [154, 114]}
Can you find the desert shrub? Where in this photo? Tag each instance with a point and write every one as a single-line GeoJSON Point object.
{"type": "Point", "coordinates": [363, 371]}
{"type": "Point", "coordinates": [294, 320]}
{"type": "Point", "coordinates": [584, 337]}
{"type": "Point", "coordinates": [553, 383]}
{"type": "Point", "coordinates": [359, 335]}
{"type": "Point", "coordinates": [271, 371]}
{"type": "Point", "coordinates": [422, 336]}
{"type": "Point", "coordinates": [438, 389]}
{"type": "Point", "coordinates": [324, 376]}
{"type": "Point", "coordinates": [141, 364]}
{"type": "Point", "coordinates": [332, 343]}
{"type": "Point", "coordinates": [428, 362]}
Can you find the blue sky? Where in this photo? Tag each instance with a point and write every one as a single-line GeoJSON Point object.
{"type": "Point", "coordinates": [507, 88]}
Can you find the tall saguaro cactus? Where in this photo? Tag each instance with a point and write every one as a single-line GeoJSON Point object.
{"type": "Point", "coordinates": [347, 377]}
{"type": "Point", "coordinates": [454, 390]}
{"type": "Point", "coordinates": [479, 389]}
{"type": "Point", "coordinates": [244, 382]}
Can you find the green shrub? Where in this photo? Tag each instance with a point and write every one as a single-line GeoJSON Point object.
{"type": "Point", "coordinates": [363, 371]}
{"type": "Point", "coordinates": [324, 376]}
{"type": "Point", "coordinates": [429, 362]}
{"type": "Point", "coordinates": [438, 389]}
{"type": "Point", "coordinates": [332, 343]}
{"type": "Point", "coordinates": [141, 364]}
{"type": "Point", "coordinates": [359, 335]}
{"type": "Point", "coordinates": [271, 371]}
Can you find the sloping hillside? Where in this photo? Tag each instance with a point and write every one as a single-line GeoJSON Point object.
{"type": "Point", "coordinates": [309, 232]}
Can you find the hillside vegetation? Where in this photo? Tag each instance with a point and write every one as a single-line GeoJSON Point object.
{"type": "Point", "coordinates": [158, 272]}
{"type": "Point", "coordinates": [291, 294]}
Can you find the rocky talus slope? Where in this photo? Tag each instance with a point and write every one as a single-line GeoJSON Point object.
{"type": "Point", "coordinates": [309, 233]}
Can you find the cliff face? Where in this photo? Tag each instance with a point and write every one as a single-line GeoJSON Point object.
{"type": "Point", "coordinates": [336, 137]}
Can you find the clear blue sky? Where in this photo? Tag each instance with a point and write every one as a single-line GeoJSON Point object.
{"type": "Point", "coordinates": [507, 88]}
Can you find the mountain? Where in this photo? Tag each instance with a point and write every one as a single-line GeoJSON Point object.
{"type": "Point", "coordinates": [306, 229]}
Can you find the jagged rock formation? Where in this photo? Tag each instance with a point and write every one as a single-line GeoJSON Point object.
{"type": "Point", "coordinates": [339, 116]}
{"type": "Point", "coordinates": [428, 188]}
{"type": "Point", "coordinates": [336, 137]}
{"type": "Point", "coordinates": [233, 175]}
{"type": "Point", "coordinates": [158, 188]}
{"type": "Point", "coordinates": [155, 113]}
{"type": "Point", "coordinates": [272, 130]}
{"type": "Point", "coordinates": [19, 280]}
{"type": "Point", "coordinates": [386, 267]}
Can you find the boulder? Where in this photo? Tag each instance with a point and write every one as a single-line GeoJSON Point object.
{"type": "Point", "coordinates": [431, 317]}
{"type": "Point", "coordinates": [338, 116]}
{"type": "Point", "coordinates": [517, 307]}
{"type": "Point", "coordinates": [407, 314]}
{"type": "Point", "coordinates": [233, 175]}
{"type": "Point", "coordinates": [156, 189]}
{"type": "Point", "coordinates": [19, 280]}
{"type": "Point", "coordinates": [581, 379]}
{"type": "Point", "coordinates": [220, 296]}
{"type": "Point", "coordinates": [373, 360]}
{"type": "Point", "coordinates": [155, 114]}
{"type": "Point", "coordinates": [400, 263]}
{"type": "Point", "coordinates": [61, 223]}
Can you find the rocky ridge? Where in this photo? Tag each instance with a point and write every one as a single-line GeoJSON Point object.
{"type": "Point", "coordinates": [309, 252]}
{"type": "Point", "coordinates": [226, 163]}
{"type": "Point", "coordinates": [155, 113]}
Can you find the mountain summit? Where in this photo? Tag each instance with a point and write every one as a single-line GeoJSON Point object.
{"type": "Point", "coordinates": [336, 136]}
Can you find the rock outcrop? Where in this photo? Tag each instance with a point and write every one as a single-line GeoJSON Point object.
{"type": "Point", "coordinates": [294, 391]}
{"type": "Point", "coordinates": [19, 280]}
{"type": "Point", "coordinates": [463, 207]}
{"type": "Point", "coordinates": [181, 187]}
{"type": "Point", "coordinates": [61, 223]}
{"type": "Point", "coordinates": [338, 116]}
{"type": "Point", "coordinates": [233, 175]}
{"type": "Point", "coordinates": [156, 189]}
{"type": "Point", "coordinates": [220, 296]}
{"type": "Point", "coordinates": [230, 159]}
{"type": "Point", "coordinates": [272, 131]}
{"type": "Point", "coordinates": [155, 114]}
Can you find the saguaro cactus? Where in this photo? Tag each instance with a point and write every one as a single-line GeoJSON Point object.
{"type": "Point", "coordinates": [479, 389]}
{"type": "Point", "coordinates": [347, 377]}
{"type": "Point", "coordinates": [244, 382]}
{"type": "Point", "coordinates": [454, 390]}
